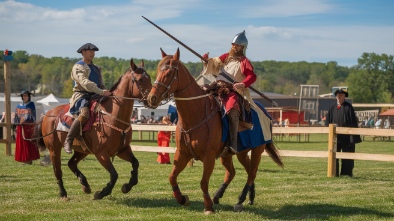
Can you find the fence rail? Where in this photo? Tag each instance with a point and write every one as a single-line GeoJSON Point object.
{"type": "Point", "coordinates": [331, 154]}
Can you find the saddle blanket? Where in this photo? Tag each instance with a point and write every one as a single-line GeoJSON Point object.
{"type": "Point", "coordinates": [67, 119]}
{"type": "Point", "coordinates": [248, 138]}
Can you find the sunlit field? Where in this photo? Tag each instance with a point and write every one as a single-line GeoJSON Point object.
{"type": "Point", "coordinates": [300, 191]}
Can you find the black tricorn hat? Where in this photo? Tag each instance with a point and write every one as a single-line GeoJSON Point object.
{"type": "Point", "coordinates": [341, 91]}
{"type": "Point", "coordinates": [87, 46]}
{"type": "Point", "coordinates": [26, 92]}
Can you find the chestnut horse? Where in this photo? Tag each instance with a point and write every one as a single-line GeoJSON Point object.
{"type": "Point", "coordinates": [109, 137]}
{"type": "Point", "coordinates": [199, 132]}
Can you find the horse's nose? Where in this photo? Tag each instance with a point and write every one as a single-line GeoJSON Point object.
{"type": "Point", "coordinates": [152, 99]}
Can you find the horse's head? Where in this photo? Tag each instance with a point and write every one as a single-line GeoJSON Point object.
{"type": "Point", "coordinates": [137, 83]}
{"type": "Point", "coordinates": [167, 79]}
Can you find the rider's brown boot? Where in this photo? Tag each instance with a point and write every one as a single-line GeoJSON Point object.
{"type": "Point", "coordinates": [74, 130]}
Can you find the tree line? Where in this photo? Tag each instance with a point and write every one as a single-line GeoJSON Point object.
{"type": "Point", "coordinates": [371, 80]}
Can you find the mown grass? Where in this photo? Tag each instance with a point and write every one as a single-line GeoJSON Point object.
{"type": "Point", "coordinates": [300, 191]}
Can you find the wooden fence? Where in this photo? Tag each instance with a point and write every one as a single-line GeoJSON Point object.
{"type": "Point", "coordinates": [331, 154]}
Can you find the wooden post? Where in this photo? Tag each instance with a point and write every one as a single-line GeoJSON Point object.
{"type": "Point", "coordinates": [332, 149]}
{"type": "Point", "coordinates": [7, 104]}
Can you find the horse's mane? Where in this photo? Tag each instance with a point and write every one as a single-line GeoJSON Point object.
{"type": "Point", "coordinates": [117, 83]}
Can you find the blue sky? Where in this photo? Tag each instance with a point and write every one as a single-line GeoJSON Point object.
{"type": "Point", "coordinates": [281, 30]}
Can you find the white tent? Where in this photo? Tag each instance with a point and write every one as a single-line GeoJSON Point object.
{"type": "Point", "coordinates": [52, 101]}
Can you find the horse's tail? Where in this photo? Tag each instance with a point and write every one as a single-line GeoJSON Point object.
{"type": "Point", "coordinates": [38, 133]}
{"type": "Point", "coordinates": [274, 153]}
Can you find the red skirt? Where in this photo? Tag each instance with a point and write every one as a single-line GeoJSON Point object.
{"type": "Point", "coordinates": [163, 140]}
{"type": "Point", "coordinates": [25, 150]}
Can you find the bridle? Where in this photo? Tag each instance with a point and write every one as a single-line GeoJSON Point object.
{"type": "Point", "coordinates": [138, 85]}
{"type": "Point", "coordinates": [174, 76]}
{"type": "Point", "coordinates": [166, 95]}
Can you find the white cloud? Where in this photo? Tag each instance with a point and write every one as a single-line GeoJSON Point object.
{"type": "Point", "coordinates": [286, 8]}
{"type": "Point", "coordinates": [120, 31]}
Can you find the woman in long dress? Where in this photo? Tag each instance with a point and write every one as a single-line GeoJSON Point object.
{"type": "Point", "coordinates": [25, 115]}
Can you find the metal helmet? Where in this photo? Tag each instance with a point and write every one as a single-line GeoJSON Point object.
{"type": "Point", "coordinates": [240, 39]}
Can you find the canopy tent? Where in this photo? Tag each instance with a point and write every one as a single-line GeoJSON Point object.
{"type": "Point", "coordinates": [389, 112]}
{"type": "Point", "coordinates": [52, 101]}
{"type": "Point", "coordinates": [389, 115]}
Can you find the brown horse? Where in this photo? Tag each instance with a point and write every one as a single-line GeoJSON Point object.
{"type": "Point", "coordinates": [199, 132]}
{"type": "Point", "coordinates": [110, 137]}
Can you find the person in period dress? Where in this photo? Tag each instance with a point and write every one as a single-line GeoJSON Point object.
{"type": "Point", "coordinates": [163, 140]}
{"type": "Point", "coordinates": [25, 116]}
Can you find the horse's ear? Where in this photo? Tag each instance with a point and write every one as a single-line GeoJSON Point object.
{"type": "Point", "coordinates": [177, 55]}
{"type": "Point", "coordinates": [142, 63]}
{"type": "Point", "coordinates": [163, 54]}
{"type": "Point", "coordinates": [132, 65]}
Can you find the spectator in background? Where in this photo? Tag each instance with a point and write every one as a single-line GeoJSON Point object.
{"type": "Point", "coordinates": [387, 124]}
{"type": "Point", "coordinates": [151, 120]}
{"type": "Point", "coordinates": [142, 119]}
{"type": "Point", "coordinates": [287, 122]}
{"type": "Point", "coordinates": [342, 114]}
{"type": "Point", "coordinates": [378, 124]}
{"type": "Point", "coordinates": [25, 115]}
{"type": "Point", "coordinates": [163, 140]}
{"type": "Point", "coordinates": [371, 122]}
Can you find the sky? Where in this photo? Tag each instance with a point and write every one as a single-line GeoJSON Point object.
{"type": "Point", "coordinates": [279, 30]}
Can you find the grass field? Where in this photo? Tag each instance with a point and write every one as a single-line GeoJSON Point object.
{"type": "Point", "coordinates": [300, 191]}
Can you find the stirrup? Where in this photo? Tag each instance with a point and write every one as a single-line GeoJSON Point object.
{"type": "Point", "coordinates": [234, 151]}
{"type": "Point", "coordinates": [68, 149]}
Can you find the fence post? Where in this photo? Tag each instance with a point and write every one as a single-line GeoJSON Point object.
{"type": "Point", "coordinates": [332, 149]}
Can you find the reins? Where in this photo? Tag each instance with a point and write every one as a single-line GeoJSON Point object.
{"type": "Point", "coordinates": [36, 138]}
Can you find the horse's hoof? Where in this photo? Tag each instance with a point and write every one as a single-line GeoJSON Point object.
{"type": "Point", "coordinates": [187, 202]}
{"type": "Point", "coordinates": [65, 198]}
{"type": "Point", "coordinates": [238, 208]}
{"type": "Point", "coordinates": [97, 196]}
{"type": "Point", "coordinates": [208, 212]}
{"type": "Point", "coordinates": [216, 200]}
{"type": "Point", "coordinates": [126, 188]}
{"type": "Point", "coordinates": [86, 189]}
{"type": "Point", "coordinates": [250, 202]}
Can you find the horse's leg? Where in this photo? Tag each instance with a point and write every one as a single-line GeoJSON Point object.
{"type": "Point", "coordinates": [127, 155]}
{"type": "Point", "coordinates": [180, 163]}
{"type": "Point", "coordinates": [254, 166]}
{"type": "Point", "coordinates": [209, 164]}
{"type": "Point", "coordinates": [55, 154]}
{"type": "Point", "coordinates": [105, 160]}
{"type": "Point", "coordinates": [251, 166]}
{"type": "Point", "coordinates": [73, 165]}
{"type": "Point", "coordinates": [227, 162]}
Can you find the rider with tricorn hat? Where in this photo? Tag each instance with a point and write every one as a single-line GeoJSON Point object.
{"type": "Point", "coordinates": [235, 68]}
{"type": "Point", "coordinates": [88, 82]}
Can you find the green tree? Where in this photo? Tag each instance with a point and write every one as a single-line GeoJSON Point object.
{"type": "Point", "coordinates": [372, 78]}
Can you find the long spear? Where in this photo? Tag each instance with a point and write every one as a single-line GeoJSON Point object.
{"type": "Point", "coordinates": [205, 60]}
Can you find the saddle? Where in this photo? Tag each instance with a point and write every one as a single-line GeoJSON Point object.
{"type": "Point", "coordinates": [221, 89]}
{"type": "Point", "coordinates": [66, 118]}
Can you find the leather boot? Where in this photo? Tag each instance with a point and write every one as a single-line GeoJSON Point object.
{"type": "Point", "coordinates": [233, 117]}
{"type": "Point", "coordinates": [74, 130]}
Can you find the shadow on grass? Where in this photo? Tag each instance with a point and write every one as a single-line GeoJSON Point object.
{"type": "Point", "coordinates": [196, 206]}
{"type": "Point", "coordinates": [316, 211]}
{"type": "Point", "coordinates": [287, 212]}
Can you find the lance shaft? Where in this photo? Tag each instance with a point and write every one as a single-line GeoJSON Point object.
{"type": "Point", "coordinates": [175, 39]}
{"type": "Point", "coordinates": [205, 60]}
